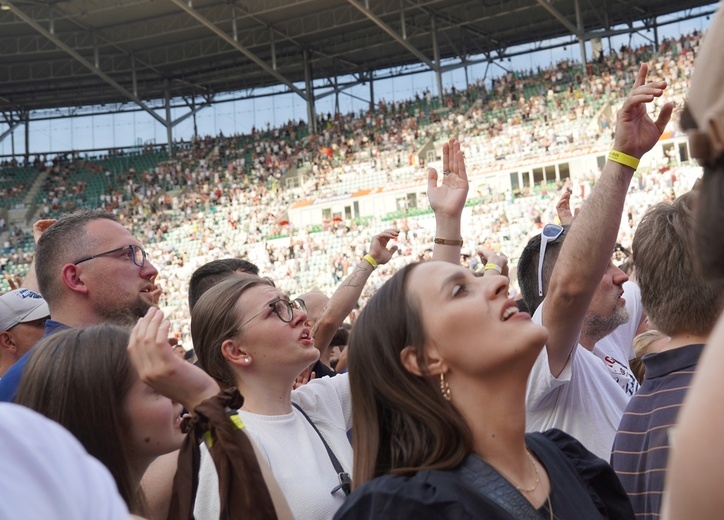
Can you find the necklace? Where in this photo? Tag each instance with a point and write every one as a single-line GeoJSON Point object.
{"type": "Point", "coordinates": [550, 506]}
{"type": "Point", "coordinates": [537, 476]}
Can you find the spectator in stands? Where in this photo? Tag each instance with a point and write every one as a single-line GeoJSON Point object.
{"type": "Point", "coordinates": [22, 323]}
{"type": "Point", "coordinates": [90, 270]}
{"type": "Point", "coordinates": [570, 388]}
{"type": "Point", "coordinates": [684, 306]}
{"type": "Point", "coordinates": [213, 272]}
{"type": "Point", "coordinates": [696, 467]}
{"type": "Point", "coordinates": [47, 473]}
{"type": "Point", "coordinates": [247, 334]}
{"type": "Point", "coordinates": [82, 378]}
{"type": "Point", "coordinates": [438, 364]}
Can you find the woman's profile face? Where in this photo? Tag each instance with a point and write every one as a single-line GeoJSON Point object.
{"type": "Point", "coordinates": [470, 322]}
{"type": "Point", "coordinates": [154, 422]}
{"type": "Point", "coordinates": [272, 343]}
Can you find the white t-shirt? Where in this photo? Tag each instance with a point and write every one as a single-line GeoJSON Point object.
{"type": "Point", "coordinates": [294, 451]}
{"type": "Point", "coordinates": [47, 474]}
{"type": "Point", "coordinates": [583, 401]}
{"type": "Point", "coordinates": [616, 349]}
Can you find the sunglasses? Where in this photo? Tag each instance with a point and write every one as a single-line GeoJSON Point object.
{"type": "Point", "coordinates": [550, 233]}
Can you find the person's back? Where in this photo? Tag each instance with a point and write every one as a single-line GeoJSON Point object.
{"type": "Point", "coordinates": [684, 306]}
{"type": "Point", "coordinates": [47, 474]}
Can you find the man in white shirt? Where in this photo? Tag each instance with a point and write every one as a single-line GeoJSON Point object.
{"type": "Point", "coordinates": [570, 387]}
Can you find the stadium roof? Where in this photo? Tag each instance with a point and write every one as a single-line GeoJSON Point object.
{"type": "Point", "coordinates": [64, 53]}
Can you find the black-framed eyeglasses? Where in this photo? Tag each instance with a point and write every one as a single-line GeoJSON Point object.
{"type": "Point", "coordinates": [550, 233]}
{"type": "Point", "coordinates": [283, 308]}
{"type": "Point", "coordinates": [137, 254]}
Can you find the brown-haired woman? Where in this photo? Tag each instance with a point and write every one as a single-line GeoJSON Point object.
{"type": "Point", "coordinates": [249, 335]}
{"type": "Point", "coordinates": [83, 379]}
{"type": "Point", "coordinates": [438, 363]}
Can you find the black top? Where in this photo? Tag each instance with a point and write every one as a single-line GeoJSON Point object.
{"type": "Point", "coordinates": [582, 487]}
{"type": "Point", "coordinates": [321, 370]}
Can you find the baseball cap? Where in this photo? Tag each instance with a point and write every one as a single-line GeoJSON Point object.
{"type": "Point", "coordinates": [706, 96]}
{"type": "Point", "coordinates": [21, 306]}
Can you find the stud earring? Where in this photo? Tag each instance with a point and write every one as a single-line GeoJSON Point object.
{"type": "Point", "coordinates": [247, 359]}
{"type": "Point", "coordinates": [445, 388]}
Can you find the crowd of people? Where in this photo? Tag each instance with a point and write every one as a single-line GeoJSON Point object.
{"type": "Point", "coordinates": [455, 394]}
{"type": "Point", "coordinates": [223, 196]}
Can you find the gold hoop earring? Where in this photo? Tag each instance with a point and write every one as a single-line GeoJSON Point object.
{"type": "Point", "coordinates": [445, 388]}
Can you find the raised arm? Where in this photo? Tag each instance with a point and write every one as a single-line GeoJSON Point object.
{"type": "Point", "coordinates": [586, 252]}
{"type": "Point", "coordinates": [161, 369]}
{"type": "Point", "coordinates": [448, 201]}
{"type": "Point", "coordinates": [347, 294]}
{"type": "Point", "coordinates": [168, 374]}
{"type": "Point", "coordinates": [31, 280]}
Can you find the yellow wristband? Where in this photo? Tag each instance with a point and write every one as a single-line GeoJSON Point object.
{"type": "Point", "coordinates": [496, 267]}
{"type": "Point", "coordinates": [371, 261]}
{"type": "Point", "coordinates": [622, 158]}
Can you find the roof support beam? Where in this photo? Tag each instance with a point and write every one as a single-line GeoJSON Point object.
{"type": "Point", "coordinates": [185, 6]}
{"type": "Point", "coordinates": [558, 16]}
{"type": "Point", "coordinates": [382, 25]}
{"type": "Point", "coordinates": [95, 70]}
{"type": "Point", "coordinates": [13, 126]}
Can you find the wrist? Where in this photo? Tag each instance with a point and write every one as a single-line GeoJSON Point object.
{"type": "Point", "coordinates": [371, 260]}
{"type": "Point", "coordinates": [621, 157]}
{"type": "Point", "coordinates": [490, 266]}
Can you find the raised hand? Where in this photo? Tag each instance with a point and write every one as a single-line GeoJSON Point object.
{"type": "Point", "coordinates": [499, 259]}
{"type": "Point", "coordinates": [156, 293]}
{"type": "Point", "coordinates": [448, 199]}
{"type": "Point", "coordinates": [636, 133]}
{"type": "Point", "coordinates": [305, 377]}
{"type": "Point", "coordinates": [378, 248]}
{"type": "Point", "coordinates": [40, 226]}
{"type": "Point", "coordinates": [157, 365]}
{"type": "Point", "coordinates": [14, 281]}
{"type": "Point", "coordinates": [563, 208]}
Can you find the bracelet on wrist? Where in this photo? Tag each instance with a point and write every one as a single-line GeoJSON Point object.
{"type": "Point", "coordinates": [495, 267]}
{"type": "Point", "coordinates": [448, 242]}
{"type": "Point", "coordinates": [622, 158]}
{"type": "Point", "coordinates": [371, 261]}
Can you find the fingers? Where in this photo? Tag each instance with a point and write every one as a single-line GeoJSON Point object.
{"type": "Point", "coordinates": [664, 116]}
{"type": "Point", "coordinates": [641, 76]}
{"type": "Point", "coordinates": [432, 178]}
{"type": "Point", "coordinates": [387, 235]}
{"type": "Point", "coordinates": [460, 164]}
{"type": "Point", "coordinates": [446, 157]}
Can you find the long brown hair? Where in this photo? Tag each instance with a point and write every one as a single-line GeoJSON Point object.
{"type": "Point", "coordinates": [710, 211]}
{"type": "Point", "coordinates": [79, 378]}
{"type": "Point", "coordinates": [402, 424]}
{"type": "Point", "coordinates": [214, 319]}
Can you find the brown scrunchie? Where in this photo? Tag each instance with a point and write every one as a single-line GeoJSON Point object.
{"type": "Point", "coordinates": [242, 490]}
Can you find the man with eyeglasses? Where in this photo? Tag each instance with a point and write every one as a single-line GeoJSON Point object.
{"type": "Point", "coordinates": [570, 387]}
{"type": "Point", "coordinates": [89, 269]}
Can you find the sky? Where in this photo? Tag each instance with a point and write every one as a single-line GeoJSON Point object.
{"type": "Point", "coordinates": [136, 128]}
